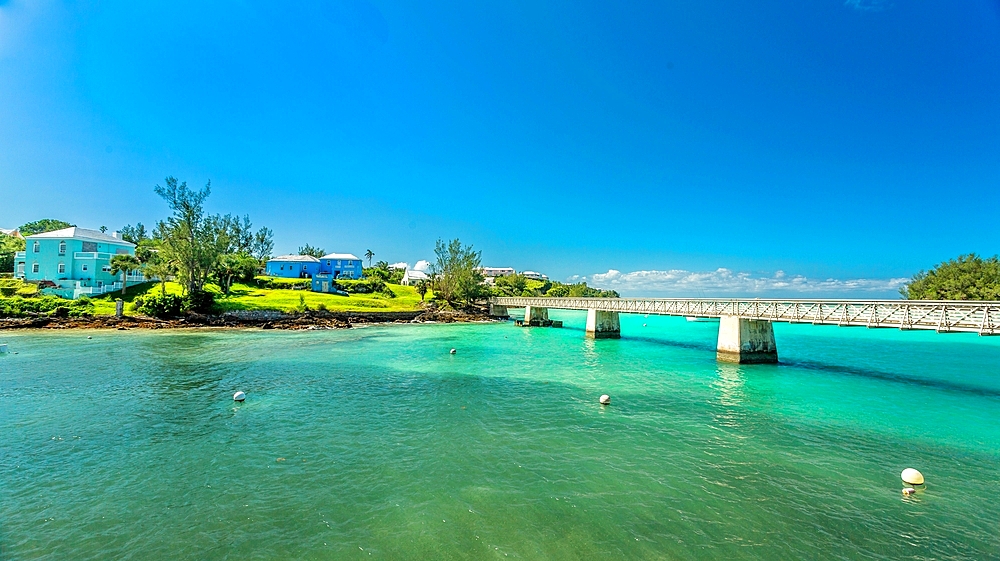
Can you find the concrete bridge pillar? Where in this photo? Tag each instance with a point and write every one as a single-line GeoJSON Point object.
{"type": "Point", "coordinates": [533, 315]}
{"type": "Point", "coordinates": [498, 311]}
{"type": "Point", "coordinates": [603, 325]}
{"type": "Point", "coordinates": [746, 341]}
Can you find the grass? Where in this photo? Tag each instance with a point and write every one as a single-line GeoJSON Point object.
{"type": "Point", "coordinates": [245, 297]}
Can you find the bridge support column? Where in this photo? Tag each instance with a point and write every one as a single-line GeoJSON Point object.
{"type": "Point", "coordinates": [746, 341]}
{"type": "Point", "coordinates": [535, 316]}
{"type": "Point", "coordinates": [603, 325]}
{"type": "Point", "coordinates": [498, 311]}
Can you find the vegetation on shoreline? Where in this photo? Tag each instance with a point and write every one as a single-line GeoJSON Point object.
{"type": "Point", "coordinates": [967, 277]}
{"type": "Point", "coordinates": [519, 285]}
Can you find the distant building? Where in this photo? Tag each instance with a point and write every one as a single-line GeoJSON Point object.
{"type": "Point", "coordinates": [73, 262]}
{"type": "Point", "coordinates": [534, 275]}
{"type": "Point", "coordinates": [292, 266]}
{"type": "Point", "coordinates": [490, 272]}
{"type": "Point", "coordinates": [412, 277]}
{"type": "Point", "coordinates": [13, 233]}
{"type": "Point", "coordinates": [335, 266]}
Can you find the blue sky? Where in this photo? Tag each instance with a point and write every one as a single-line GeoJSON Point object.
{"type": "Point", "coordinates": [698, 148]}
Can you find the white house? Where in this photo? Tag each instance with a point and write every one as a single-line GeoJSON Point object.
{"type": "Point", "coordinates": [411, 277]}
{"type": "Point", "coordinates": [490, 272]}
{"type": "Point", "coordinates": [534, 275]}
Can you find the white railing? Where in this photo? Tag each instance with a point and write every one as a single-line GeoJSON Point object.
{"type": "Point", "coordinates": [92, 255]}
{"type": "Point", "coordinates": [19, 254]}
{"type": "Point", "coordinates": [945, 316]}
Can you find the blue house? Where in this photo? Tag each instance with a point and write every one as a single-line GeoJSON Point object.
{"type": "Point", "coordinates": [73, 262]}
{"type": "Point", "coordinates": [335, 266]}
{"type": "Point", "coordinates": [292, 266]}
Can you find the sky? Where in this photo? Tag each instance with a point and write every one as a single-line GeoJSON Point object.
{"type": "Point", "coordinates": [714, 148]}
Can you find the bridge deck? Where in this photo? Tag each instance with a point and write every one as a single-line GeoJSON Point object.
{"type": "Point", "coordinates": [941, 316]}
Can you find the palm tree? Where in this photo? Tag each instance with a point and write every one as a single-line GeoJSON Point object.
{"type": "Point", "coordinates": [368, 255]}
{"type": "Point", "coordinates": [123, 264]}
{"type": "Point", "coordinates": [422, 287]}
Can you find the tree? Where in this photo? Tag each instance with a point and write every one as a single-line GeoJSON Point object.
{"type": "Point", "coordinates": [123, 264]}
{"type": "Point", "coordinates": [422, 287]}
{"type": "Point", "coordinates": [135, 234]}
{"type": "Point", "coordinates": [458, 278]}
{"type": "Point", "coordinates": [9, 245]}
{"type": "Point", "coordinates": [235, 267]}
{"type": "Point", "coordinates": [368, 255]}
{"type": "Point", "coordinates": [103, 229]}
{"type": "Point", "coordinates": [187, 238]}
{"type": "Point", "coordinates": [42, 226]}
{"type": "Point", "coordinates": [263, 244]}
{"type": "Point", "coordinates": [968, 277]}
{"type": "Point", "coordinates": [310, 250]}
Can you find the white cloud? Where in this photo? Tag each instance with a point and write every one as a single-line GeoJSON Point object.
{"type": "Point", "coordinates": [400, 265]}
{"type": "Point", "coordinates": [422, 265]}
{"type": "Point", "coordinates": [725, 282]}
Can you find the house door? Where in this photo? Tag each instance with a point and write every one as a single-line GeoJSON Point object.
{"type": "Point", "coordinates": [326, 286]}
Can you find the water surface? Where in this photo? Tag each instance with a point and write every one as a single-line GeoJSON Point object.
{"type": "Point", "coordinates": [377, 443]}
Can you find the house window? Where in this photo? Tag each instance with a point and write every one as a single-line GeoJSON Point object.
{"type": "Point", "coordinates": [62, 268]}
{"type": "Point", "coordinates": [34, 267]}
{"type": "Point", "coordinates": [20, 268]}
{"type": "Point", "coordinates": [338, 262]}
{"type": "Point", "coordinates": [328, 263]}
{"type": "Point", "coordinates": [62, 248]}
{"type": "Point", "coordinates": [84, 267]}
{"type": "Point", "coordinates": [282, 267]}
{"type": "Point", "coordinates": [106, 268]}
{"type": "Point", "coordinates": [35, 247]}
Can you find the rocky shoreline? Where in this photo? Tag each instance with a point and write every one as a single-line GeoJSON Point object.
{"type": "Point", "coordinates": [250, 319]}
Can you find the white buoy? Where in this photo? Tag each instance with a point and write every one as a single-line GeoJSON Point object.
{"type": "Point", "coordinates": [909, 491]}
{"type": "Point", "coordinates": [453, 351]}
{"type": "Point", "coordinates": [89, 337]}
{"type": "Point", "coordinates": [912, 476]}
{"type": "Point", "coordinates": [239, 396]}
{"type": "Point", "coordinates": [605, 399]}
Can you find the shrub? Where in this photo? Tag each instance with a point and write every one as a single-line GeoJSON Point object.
{"type": "Point", "coordinates": [199, 302]}
{"type": "Point", "coordinates": [160, 306]}
{"type": "Point", "coordinates": [279, 283]}
{"type": "Point", "coordinates": [362, 286]}
{"type": "Point", "coordinates": [18, 306]}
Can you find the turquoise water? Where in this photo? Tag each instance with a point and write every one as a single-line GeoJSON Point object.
{"type": "Point", "coordinates": [377, 443]}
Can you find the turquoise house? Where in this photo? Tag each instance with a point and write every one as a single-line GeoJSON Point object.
{"type": "Point", "coordinates": [73, 262]}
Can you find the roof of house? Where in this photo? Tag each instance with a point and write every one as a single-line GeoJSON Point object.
{"type": "Point", "coordinates": [76, 233]}
{"type": "Point", "coordinates": [295, 258]}
{"type": "Point", "coordinates": [414, 274]}
{"type": "Point", "coordinates": [341, 256]}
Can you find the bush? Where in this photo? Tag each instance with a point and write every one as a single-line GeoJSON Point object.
{"type": "Point", "coordinates": [18, 306]}
{"type": "Point", "coordinates": [199, 302]}
{"type": "Point", "coordinates": [160, 306]}
{"type": "Point", "coordinates": [362, 286]}
{"type": "Point", "coordinates": [279, 283]}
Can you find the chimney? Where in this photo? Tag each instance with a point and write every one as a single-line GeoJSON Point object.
{"type": "Point", "coordinates": [114, 235]}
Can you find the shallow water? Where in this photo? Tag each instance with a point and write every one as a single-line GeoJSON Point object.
{"type": "Point", "coordinates": [377, 443]}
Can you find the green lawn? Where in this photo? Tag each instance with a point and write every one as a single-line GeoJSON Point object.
{"type": "Point", "coordinates": [244, 297]}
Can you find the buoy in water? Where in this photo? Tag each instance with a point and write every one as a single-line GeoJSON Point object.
{"type": "Point", "coordinates": [605, 399]}
{"type": "Point", "coordinates": [89, 337]}
{"type": "Point", "coordinates": [453, 351]}
{"type": "Point", "coordinates": [909, 491]}
{"type": "Point", "coordinates": [912, 476]}
{"type": "Point", "coordinates": [239, 396]}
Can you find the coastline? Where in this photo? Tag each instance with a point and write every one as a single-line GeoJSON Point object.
{"type": "Point", "coordinates": [263, 319]}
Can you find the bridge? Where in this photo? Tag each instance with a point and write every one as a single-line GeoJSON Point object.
{"type": "Point", "coordinates": [746, 333]}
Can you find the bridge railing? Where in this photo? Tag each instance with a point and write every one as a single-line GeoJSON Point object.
{"type": "Point", "coordinates": [944, 316]}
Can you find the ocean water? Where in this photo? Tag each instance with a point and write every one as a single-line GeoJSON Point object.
{"type": "Point", "coordinates": [376, 443]}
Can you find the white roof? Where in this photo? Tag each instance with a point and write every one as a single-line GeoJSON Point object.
{"type": "Point", "coordinates": [81, 234]}
{"type": "Point", "coordinates": [418, 275]}
{"type": "Point", "coordinates": [341, 256]}
{"type": "Point", "coordinates": [296, 258]}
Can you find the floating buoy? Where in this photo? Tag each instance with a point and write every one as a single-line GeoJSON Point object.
{"type": "Point", "coordinates": [644, 325]}
{"type": "Point", "coordinates": [605, 399]}
{"type": "Point", "coordinates": [239, 396]}
{"type": "Point", "coordinates": [912, 476]}
{"type": "Point", "coordinates": [453, 351]}
{"type": "Point", "coordinates": [909, 491]}
{"type": "Point", "coordinates": [89, 337]}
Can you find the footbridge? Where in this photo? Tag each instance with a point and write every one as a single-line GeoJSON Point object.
{"type": "Point", "coordinates": [746, 334]}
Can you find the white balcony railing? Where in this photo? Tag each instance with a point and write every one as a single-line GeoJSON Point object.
{"type": "Point", "coordinates": [92, 255]}
{"type": "Point", "coordinates": [19, 254]}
